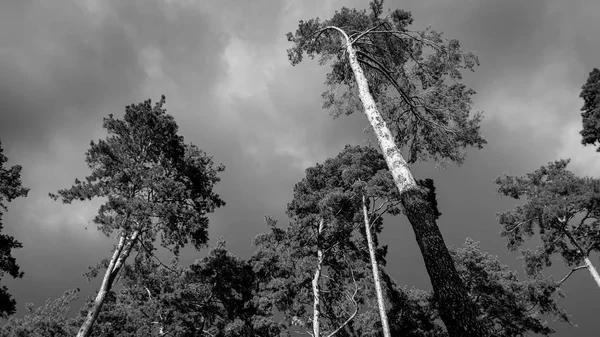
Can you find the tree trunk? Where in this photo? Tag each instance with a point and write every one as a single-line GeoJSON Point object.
{"type": "Point", "coordinates": [592, 270]}
{"type": "Point", "coordinates": [315, 285]}
{"type": "Point", "coordinates": [116, 262]}
{"type": "Point", "coordinates": [380, 303]}
{"type": "Point", "coordinates": [456, 310]}
{"type": "Point", "coordinates": [590, 267]}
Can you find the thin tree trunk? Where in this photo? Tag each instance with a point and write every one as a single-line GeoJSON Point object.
{"type": "Point", "coordinates": [592, 270]}
{"type": "Point", "coordinates": [116, 262]}
{"type": "Point", "coordinates": [380, 303]}
{"type": "Point", "coordinates": [315, 285]}
{"type": "Point", "coordinates": [457, 311]}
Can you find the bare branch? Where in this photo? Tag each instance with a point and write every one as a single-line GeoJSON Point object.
{"type": "Point", "coordinates": [405, 97]}
{"type": "Point", "coordinates": [353, 300]}
{"type": "Point", "coordinates": [569, 274]}
{"type": "Point", "coordinates": [154, 256]}
{"type": "Point", "coordinates": [383, 21]}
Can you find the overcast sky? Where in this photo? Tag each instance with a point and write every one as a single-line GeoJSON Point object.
{"type": "Point", "coordinates": [222, 65]}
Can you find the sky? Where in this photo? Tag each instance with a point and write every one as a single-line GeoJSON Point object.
{"type": "Point", "coordinates": [223, 68]}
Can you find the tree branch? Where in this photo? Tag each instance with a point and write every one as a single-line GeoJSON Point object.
{"type": "Point", "coordinates": [352, 299]}
{"type": "Point", "coordinates": [405, 97]}
{"type": "Point", "coordinates": [154, 256]}
{"type": "Point", "coordinates": [569, 274]}
{"type": "Point", "coordinates": [383, 21]}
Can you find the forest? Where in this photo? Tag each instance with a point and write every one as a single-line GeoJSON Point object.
{"type": "Point", "coordinates": [175, 245]}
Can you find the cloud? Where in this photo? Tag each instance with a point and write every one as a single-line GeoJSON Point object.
{"type": "Point", "coordinates": [59, 71]}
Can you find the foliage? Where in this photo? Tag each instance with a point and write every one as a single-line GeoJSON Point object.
{"type": "Point", "coordinates": [508, 306]}
{"type": "Point", "coordinates": [284, 264]}
{"type": "Point", "coordinates": [562, 207]}
{"type": "Point", "coordinates": [154, 184]}
{"type": "Point", "coordinates": [590, 92]}
{"type": "Point", "coordinates": [212, 297]}
{"type": "Point", "coordinates": [287, 257]}
{"type": "Point", "coordinates": [10, 188]}
{"type": "Point", "coordinates": [413, 76]}
{"type": "Point", "coordinates": [152, 180]}
{"type": "Point", "coordinates": [49, 320]}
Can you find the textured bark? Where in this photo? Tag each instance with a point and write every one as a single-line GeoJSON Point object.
{"type": "Point", "coordinates": [456, 310]}
{"type": "Point", "coordinates": [592, 270]}
{"type": "Point", "coordinates": [116, 262]}
{"type": "Point", "coordinates": [315, 285]}
{"type": "Point", "coordinates": [376, 280]}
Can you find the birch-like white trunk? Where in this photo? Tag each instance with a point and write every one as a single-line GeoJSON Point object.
{"type": "Point", "coordinates": [380, 303]}
{"type": "Point", "coordinates": [592, 270]}
{"type": "Point", "coordinates": [315, 285]}
{"type": "Point", "coordinates": [116, 262]}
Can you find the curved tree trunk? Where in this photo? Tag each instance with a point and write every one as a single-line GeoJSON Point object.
{"type": "Point", "coordinates": [116, 262]}
{"type": "Point", "coordinates": [380, 303]}
{"type": "Point", "coordinates": [315, 285]}
{"type": "Point", "coordinates": [457, 311]}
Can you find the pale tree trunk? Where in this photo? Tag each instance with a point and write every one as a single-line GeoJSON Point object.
{"type": "Point", "coordinates": [592, 270]}
{"type": "Point", "coordinates": [315, 285]}
{"type": "Point", "coordinates": [457, 311]}
{"type": "Point", "coordinates": [586, 258]}
{"type": "Point", "coordinates": [116, 262]}
{"type": "Point", "coordinates": [380, 303]}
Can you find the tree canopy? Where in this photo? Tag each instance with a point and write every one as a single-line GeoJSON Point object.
{"type": "Point", "coordinates": [562, 208]}
{"type": "Point", "coordinates": [590, 92]}
{"type": "Point", "coordinates": [154, 183]}
{"type": "Point", "coordinates": [413, 77]}
{"type": "Point", "coordinates": [10, 189]}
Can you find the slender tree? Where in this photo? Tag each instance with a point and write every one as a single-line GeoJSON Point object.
{"type": "Point", "coordinates": [410, 82]}
{"type": "Point", "coordinates": [215, 296]}
{"type": "Point", "coordinates": [10, 188]}
{"type": "Point", "coordinates": [321, 293]}
{"type": "Point", "coordinates": [563, 208]}
{"type": "Point", "coordinates": [590, 115]}
{"type": "Point", "coordinates": [154, 184]}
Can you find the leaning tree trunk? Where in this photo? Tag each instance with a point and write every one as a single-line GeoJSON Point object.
{"type": "Point", "coordinates": [592, 270]}
{"type": "Point", "coordinates": [315, 285]}
{"type": "Point", "coordinates": [376, 280]}
{"type": "Point", "coordinates": [116, 263]}
{"type": "Point", "coordinates": [457, 311]}
{"type": "Point", "coordinates": [586, 257]}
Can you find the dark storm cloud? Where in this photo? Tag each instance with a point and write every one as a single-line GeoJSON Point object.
{"type": "Point", "coordinates": [57, 71]}
{"type": "Point", "coordinates": [73, 65]}
{"type": "Point", "coordinates": [508, 33]}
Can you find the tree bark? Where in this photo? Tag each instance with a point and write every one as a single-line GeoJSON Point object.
{"type": "Point", "coordinates": [315, 285]}
{"type": "Point", "coordinates": [457, 311]}
{"type": "Point", "coordinates": [592, 270]}
{"type": "Point", "coordinates": [116, 262]}
{"type": "Point", "coordinates": [376, 280]}
{"type": "Point", "coordinates": [590, 267]}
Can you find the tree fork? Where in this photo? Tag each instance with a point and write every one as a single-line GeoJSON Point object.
{"type": "Point", "coordinates": [584, 254]}
{"type": "Point", "coordinates": [121, 253]}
